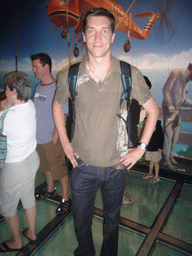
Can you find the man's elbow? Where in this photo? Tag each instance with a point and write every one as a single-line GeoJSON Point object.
{"type": "Point", "coordinates": [153, 111]}
{"type": "Point", "coordinates": [151, 107]}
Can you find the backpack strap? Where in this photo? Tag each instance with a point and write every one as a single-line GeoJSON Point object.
{"type": "Point", "coordinates": [72, 79]}
{"type": "Point", "coordinates": [125, 76]}
{"type": "Point", "coordinates": [126, 82]}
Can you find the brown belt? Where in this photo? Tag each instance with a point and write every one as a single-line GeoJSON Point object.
{"type": "Point", "coordinates": [120, 166]}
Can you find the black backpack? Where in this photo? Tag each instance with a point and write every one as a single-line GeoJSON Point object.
{"type": "Point", "coordinates": [126, 82]}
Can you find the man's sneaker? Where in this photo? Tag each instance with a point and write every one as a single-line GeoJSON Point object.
{"type": "Point", "coordinates": [43, 194]}
{"type": "Point", "coordinates": [64, 207]}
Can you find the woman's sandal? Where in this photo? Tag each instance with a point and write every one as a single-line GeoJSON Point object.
{"type": "Point", "coordinates": [31, 241]}
{"type": "Point", "coordinates": [127, 200]}
{"type": "Point", "coordinates": [154, 180]}
{"type": "Point", "coordinates": [147, 176]}
{"type": "Point", "coordinates": [45, 194]}
{"type": "Point", "coordinates": [6, 248]}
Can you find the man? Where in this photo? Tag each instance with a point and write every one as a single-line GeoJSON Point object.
{"type": "Point", "coordinates": [174, 97]}
{"type": "Point", "coordinates": [52, 158]}
{"type": "Point", "coordinates": [98, 153]}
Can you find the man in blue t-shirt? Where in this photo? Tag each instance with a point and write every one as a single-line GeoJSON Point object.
{"type": "Point", "coordinates": [52, 158]}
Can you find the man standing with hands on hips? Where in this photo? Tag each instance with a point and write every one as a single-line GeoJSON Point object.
{"type": "Point", "coordinates": [98, 151]}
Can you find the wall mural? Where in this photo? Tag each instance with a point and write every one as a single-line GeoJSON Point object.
{"type": "Point", "coordinates": [155, 36]}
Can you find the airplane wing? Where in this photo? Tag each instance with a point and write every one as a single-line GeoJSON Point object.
{"type": "Point", "coordinates": [129, 26]}
{"type": "Point", "coordinates": [144, 14]}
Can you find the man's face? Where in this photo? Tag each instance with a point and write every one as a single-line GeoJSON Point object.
{"type": "Point", "coordinates": [39, 70]}
{"type": "Point", "coordinates": [98, 36]}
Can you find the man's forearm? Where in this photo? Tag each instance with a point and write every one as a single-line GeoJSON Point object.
{"type": "Point", "coordinates": [60, 125]}
{"type": "Point", "coordinates": [134, 154]}
{"type": "Point", "coordinates": [152, 116]}
{"type": "Point", "coordinates": [60, 121]}
{"type": "Point", "coordinates": [55, 135]}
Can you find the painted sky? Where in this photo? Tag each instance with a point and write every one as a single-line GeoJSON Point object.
{"type": "Point", "coordinates": [35, 33]}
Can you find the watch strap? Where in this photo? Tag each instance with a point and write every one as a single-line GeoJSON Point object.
{"type": "Point", "coordinates": [143, 145]}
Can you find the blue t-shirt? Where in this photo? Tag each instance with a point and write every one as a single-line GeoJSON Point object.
{"type": "Point", "coordinates": [43, 101]}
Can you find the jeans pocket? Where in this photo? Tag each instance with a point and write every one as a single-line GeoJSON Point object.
{"type": "Point", "coordinates": [80, 163]}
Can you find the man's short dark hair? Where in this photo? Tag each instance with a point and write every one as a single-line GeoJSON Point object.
{"type": "Point", "coordinates": [44, 59]}
{"type": "Point", "coordinates": [99, 12]}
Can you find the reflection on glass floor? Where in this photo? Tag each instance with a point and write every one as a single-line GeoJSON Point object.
{"type": "Point", "coordinates": [149, 198]}
{"type": "Point", "coordinates": [166, 250]}
{"type": "Point", "coordinates": [159, 222]}
{"type": "Point", "coordinates": [63, 242]}
{"type": "Point", "coordinates": [181, 217]}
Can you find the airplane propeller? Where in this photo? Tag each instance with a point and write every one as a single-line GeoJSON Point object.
{"type": "Point", "coordinates": [164, 27]}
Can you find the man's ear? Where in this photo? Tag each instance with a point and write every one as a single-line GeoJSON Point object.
{"type": "Point", "coordinates": [47, 66]}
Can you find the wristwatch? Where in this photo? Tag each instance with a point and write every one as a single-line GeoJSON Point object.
{"type": "Point", "coordinates": [143, 145]}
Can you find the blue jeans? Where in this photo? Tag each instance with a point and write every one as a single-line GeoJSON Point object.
{"type": "Point", "coordinates": [85, 179]}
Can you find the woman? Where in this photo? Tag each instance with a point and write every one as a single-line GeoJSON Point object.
{"type": "Point", "coordinates": [17, 173]}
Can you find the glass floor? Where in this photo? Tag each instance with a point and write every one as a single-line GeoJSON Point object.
{"type": "Point", "coordinates": [159, 222]}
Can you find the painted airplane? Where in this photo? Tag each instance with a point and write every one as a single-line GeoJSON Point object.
{"type": "Point", "coordinates": [69, 13]}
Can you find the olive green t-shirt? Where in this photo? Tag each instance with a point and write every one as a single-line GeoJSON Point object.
{"type": "Point", "coordinates": [100, 136]}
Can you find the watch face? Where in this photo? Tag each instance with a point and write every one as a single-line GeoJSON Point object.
{"type": "Point", "coordinates": [143, 145]}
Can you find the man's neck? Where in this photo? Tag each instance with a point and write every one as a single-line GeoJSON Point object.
{"type": "Point", "coordinates": [99, 62]}
{"type": "Point", "coordinates": [99, 66]}
{"type": "Point", "coordinates": [47, 80]}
